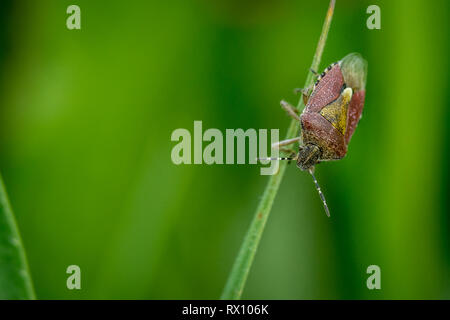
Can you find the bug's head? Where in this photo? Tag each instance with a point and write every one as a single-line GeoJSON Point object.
{"type": "Point", "coordinates": [308, 156]}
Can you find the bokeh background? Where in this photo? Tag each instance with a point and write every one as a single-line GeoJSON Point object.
{"type": "Point", "coordinates": [85, 123]}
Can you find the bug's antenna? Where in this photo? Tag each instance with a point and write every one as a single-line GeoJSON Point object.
{"type": "Point", "coordinates": [311, 171]}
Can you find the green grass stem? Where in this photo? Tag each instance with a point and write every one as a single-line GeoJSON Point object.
{"type": "Point", "coordinates": [239, 273]}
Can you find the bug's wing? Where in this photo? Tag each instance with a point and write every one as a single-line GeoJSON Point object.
{"type": "Point", "coordinates": [327, 90]}
{"type": "Point", "coordinates": [354, 71]}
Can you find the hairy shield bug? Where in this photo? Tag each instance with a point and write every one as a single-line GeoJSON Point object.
{"type": "Point", "coordinates": [333, 107]}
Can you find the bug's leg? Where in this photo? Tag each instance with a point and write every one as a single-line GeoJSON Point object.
{"type": "Point", "coordinates": [293, 112]}
{"type": "Point", "coordinates": [313, 71]}
{"type": "Point", "coordinates": [305, 96]}
{"type": "Point", "coordinates": [306, 92]}
{"type": "Point", "coordinates": [280, 144]}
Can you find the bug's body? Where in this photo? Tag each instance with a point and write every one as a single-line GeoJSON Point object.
{"type": "Point", "coordinates": [332, 111]}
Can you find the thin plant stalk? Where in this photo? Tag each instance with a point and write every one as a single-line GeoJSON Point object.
{"type": "Point", "coordinates": [239, 273]}
{"type": "Point", "coordinates": [15, 279]}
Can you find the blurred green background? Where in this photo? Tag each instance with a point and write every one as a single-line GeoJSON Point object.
{"type": "Point", "coordinates": [85, 123]}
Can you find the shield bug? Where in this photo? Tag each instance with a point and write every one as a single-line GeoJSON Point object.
{"type": "Point", "coordinates": [333, 107]}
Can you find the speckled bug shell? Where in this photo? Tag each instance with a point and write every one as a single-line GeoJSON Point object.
{"type": "Point", "coordinates": [333, 139]}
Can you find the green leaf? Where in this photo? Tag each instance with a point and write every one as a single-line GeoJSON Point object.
{"type": "Point", "coordinates": [15, 280]}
